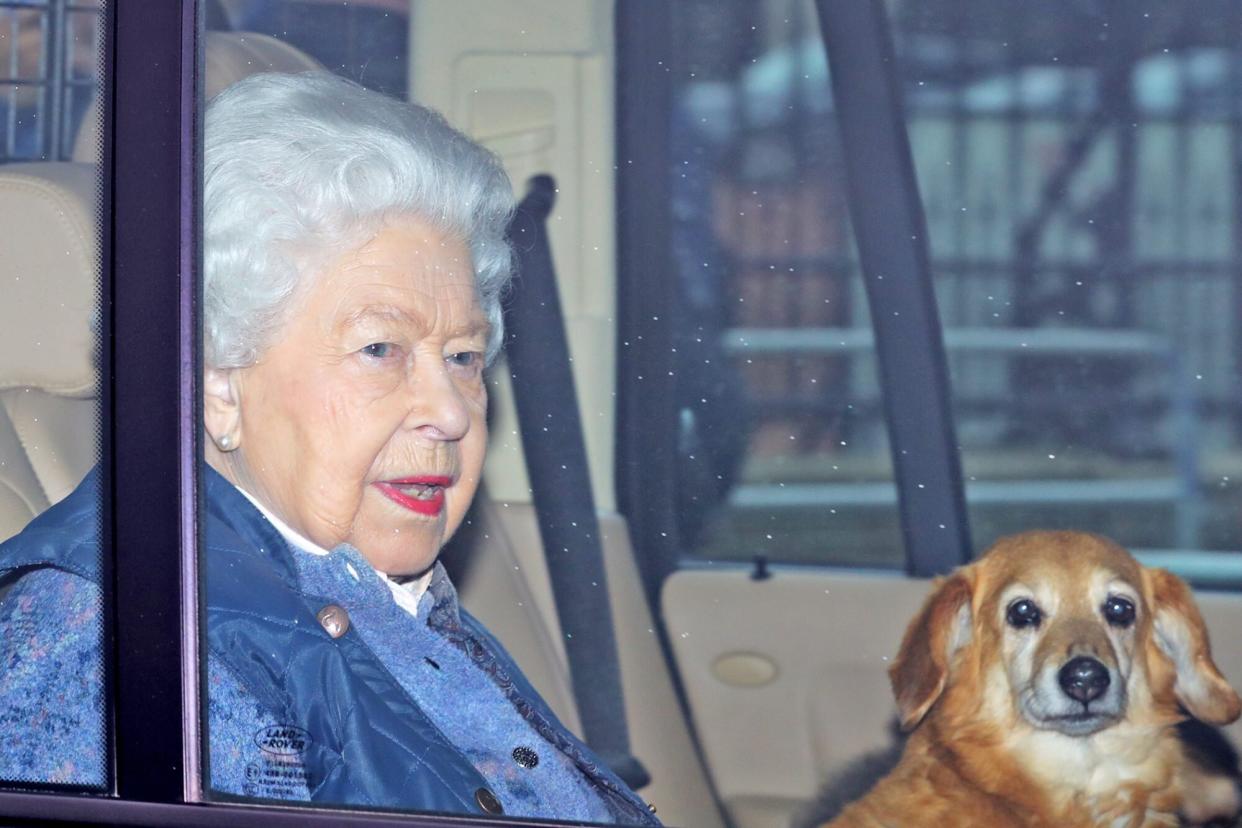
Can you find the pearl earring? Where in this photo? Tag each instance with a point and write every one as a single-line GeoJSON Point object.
{"type": "Point", "coordinates": [224, 442]}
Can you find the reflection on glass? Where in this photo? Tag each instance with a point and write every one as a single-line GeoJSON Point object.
{"type": "Point", "coordinates": [1078, 169]}
{"type": "Point", "coordinates": [49, 60]}
{"type": "Point", "coordinates": [354, 258]}
{"type": "Point", "coordinates": [52, 717]}
{"type": "Point", "coordinates": [366, 41]}
{"type": "Point", "coordinates": [783, 450]}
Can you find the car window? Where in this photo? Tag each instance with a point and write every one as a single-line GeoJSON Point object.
{"type": "Point", "coordinates": [781, 448]}
{"type": "Point", "coordinates": [365, 41]}
{"type": "Point", "coordinates": [1077, 173]}
{"type": "Point", "coordinates": [50, 54]}
{"type": "Point", "coordinates": [53, 219]}
{"type": "Point", "coordinates": [354, 258]}
{"type": "Point", "coordinates": [1082, 241]}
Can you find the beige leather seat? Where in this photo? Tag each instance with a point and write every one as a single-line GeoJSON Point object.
{"type": "Point", "coordinates": [49, 294]}
{"type": "Point", "coordinates": [228, 57]}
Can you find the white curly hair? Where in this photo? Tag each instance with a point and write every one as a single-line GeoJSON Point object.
{"type": "Point", "coordinates": [299, 167]}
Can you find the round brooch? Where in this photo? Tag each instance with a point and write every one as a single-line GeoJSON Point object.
{"type": "Point", "coordinates": [525, 757]}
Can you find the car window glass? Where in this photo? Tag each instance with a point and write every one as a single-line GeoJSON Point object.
{"type": "Point", "coordinates": [1077, 168]}
{"type": "Point", "coordinates": [365, 41]}
{"type": "Point", "coordinates": [345, 429]}
{"type": "Point", "coordinates": [52, 220]}
{"type": "Point", "coordinates": [782, 448]}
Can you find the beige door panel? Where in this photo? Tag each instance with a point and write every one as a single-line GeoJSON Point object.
{"type": "Point", "coordinates": [533, 81]}
{"type": "Point", "coordinates": [787, 676]}
{"type": "Point", "coordinates": [828, 638]}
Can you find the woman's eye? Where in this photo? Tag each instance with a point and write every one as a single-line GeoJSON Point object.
{"type": "Point", "coordinates": [379, 350]}
{"type": "Point", "coordinates": [1119, 611]}
{"type": "Point", "coordinates": [1023, 613]}
{"type": "Point", "coordinates": [468, 360]}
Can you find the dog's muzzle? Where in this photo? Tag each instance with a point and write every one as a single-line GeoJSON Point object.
{"type": "Point", "coordinates": [1076, 698]}
{"type": "Point", "coordinates": [1084, 679]}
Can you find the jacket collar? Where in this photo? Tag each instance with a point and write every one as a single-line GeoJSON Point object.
{"type": "Point", "coordinates": [227, 504]}
{"type": "Point", "coordinates": [65, 536]}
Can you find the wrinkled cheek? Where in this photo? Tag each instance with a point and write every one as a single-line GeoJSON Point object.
{"type": "Point", "coordinates": [335, 510]}
{"type": "Point", "coordinates": [340, 411]}
{"type": "Point", "coordinates": [382, 391]}
{"type": "Point", "coordinates": [347, 450]}
{"type": "Point", "coordinates": [356, 428]}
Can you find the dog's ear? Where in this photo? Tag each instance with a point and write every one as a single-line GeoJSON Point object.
{"type": "Point", "coordinates": [940, 629]}
{"type": "Point", "coordinates": [1179, 634]}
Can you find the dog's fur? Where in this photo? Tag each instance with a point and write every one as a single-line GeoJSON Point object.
{"type": "Point", "coordinates": [997, 741]}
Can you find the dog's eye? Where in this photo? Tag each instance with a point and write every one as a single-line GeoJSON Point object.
{"type": "Point", "coordinates": [1118, 611]}
{"type": "Point", "coordinates": [1023, 613]}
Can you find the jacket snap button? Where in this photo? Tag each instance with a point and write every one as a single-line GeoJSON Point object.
{"type": "Point", "coordinates": [525, 757]}
{"type": "Point", "coordinates": [488, 801]}
{"type": "Point", "coordinates": [334, 619]}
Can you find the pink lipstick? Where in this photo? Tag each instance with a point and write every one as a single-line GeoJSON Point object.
{"type": "Point", "coordinates": [422, 495]}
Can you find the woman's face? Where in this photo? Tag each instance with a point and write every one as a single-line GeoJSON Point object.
{"type": "Point", "coordinates": [364, 423]}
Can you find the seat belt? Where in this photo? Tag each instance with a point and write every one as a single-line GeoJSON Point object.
{"type": "Point", "coordinates": [537, 351]}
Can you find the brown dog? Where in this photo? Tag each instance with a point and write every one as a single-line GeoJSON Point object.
{"type": "Point", "coordinates": [1045, 681]}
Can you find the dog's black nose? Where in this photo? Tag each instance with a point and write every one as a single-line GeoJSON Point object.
{"type": "Point", "coordinates": [1084, 679]}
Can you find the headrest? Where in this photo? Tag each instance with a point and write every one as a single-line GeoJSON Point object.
{"type": "Point", "coordinates": [232, 56]}
{"type": "Point", "coordinates": [228, 57]}
{"type": "Point", "coordinates": [49, 277]}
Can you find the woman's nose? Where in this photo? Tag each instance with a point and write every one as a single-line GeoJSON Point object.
{"type": "Point", "coordinates": [438, 409]}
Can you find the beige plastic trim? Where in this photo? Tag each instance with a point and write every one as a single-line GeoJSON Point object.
{"type": "Point", "coordinates": [533, 81]}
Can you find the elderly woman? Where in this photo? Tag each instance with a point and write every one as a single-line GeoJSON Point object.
{"type": "Point", "coordinates": [354, 261]}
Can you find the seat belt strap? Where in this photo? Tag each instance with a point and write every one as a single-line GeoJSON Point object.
{"type": "Point", "coordinates": [537, 351]}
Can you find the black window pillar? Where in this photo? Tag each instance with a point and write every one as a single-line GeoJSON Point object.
{"type": "Point", "coordinates": [150, 408]}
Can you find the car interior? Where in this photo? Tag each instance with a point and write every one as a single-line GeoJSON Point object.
{"type": "Point", "coordinates": [747, 685]}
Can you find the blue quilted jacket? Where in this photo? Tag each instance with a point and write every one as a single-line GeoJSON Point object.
{"type": "Point", "coordinates": [348, 730]}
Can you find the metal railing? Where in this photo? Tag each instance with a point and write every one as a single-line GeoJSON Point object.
{"type": "Point", "coordinates": [1180, 489]}
{"type": "Point", "coordinates": [49, 71]}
